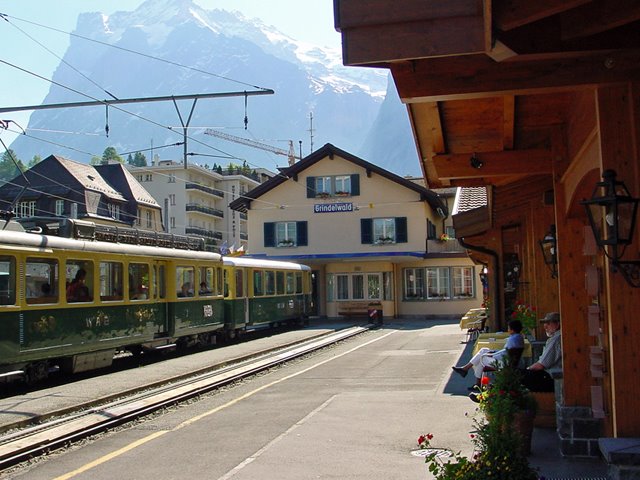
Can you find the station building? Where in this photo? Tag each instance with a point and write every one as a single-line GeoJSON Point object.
{"type": "Point", "coordinates": [370, 236]}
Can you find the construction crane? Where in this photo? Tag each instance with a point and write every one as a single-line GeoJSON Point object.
{"type": "Point", "coordinates": [291, 154]}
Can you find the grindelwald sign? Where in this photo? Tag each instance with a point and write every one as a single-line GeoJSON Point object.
{"type": "Point", "coordinates": [332, 207]}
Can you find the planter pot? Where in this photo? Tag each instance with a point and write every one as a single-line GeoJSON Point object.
{"type": "Point", "coordinates": [523, 424]}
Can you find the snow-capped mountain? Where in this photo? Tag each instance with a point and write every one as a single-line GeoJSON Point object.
{"type": "Point", "coordinates": [175, 47]}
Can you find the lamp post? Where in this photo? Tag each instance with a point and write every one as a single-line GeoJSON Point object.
{"type": "Point", "coordinates": [548, 245]}
{"type": "Point", "coordinates": [612, 217]}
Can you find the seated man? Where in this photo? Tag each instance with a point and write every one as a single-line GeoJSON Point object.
{"type": "Point", "coordinates": [536, 377]}
{"type": "Point", "coordinates": [488, 358]}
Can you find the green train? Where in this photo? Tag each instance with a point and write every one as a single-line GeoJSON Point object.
{"type": "Point", "coordinates": [74, 293]}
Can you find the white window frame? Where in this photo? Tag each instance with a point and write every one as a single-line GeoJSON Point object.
{"type": "Point", "coordinates": [27, 209]}
{"type": "Point", "coordinates": [413, 280]}
{"type": "Point", "coordinates": [59, 208]}
{"type": "Point", "coordinates": [286, 234]}
{"type": "Point", "coordinates": [384, 230]}
{"type": "Point", "coordinates": [462, 280]}
{"type": "Point", "coordinates": [438, 283]}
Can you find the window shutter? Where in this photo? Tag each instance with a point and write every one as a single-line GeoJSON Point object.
{"type": "Point", "coordinates": [366, 231]}
{"type": "Point", "coordinates": [311, 187]}
{"type": "Point", "coordinates": [269, 234]}
{"type": "Point", "coordinates": [301, 229]}
{"type": "Point", "coordinates": [401, 230]}
{"type": "Point", "coordinates": [355, 184]}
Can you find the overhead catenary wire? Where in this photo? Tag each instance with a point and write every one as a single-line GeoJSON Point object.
{"type": "Point", "coordinates": [107, 102]}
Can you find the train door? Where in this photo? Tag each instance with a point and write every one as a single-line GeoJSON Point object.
{"type": "Point", "coordinates": [159, 295]}
{"type": "Point", "coordinates": [242, 293]}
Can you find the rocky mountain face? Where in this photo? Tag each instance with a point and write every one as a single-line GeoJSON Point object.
{"type": "Point", "coordinates": [316, 98]}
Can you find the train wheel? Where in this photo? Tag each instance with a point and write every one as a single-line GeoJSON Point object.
{"type": "Point", "coordinates": [36, 372]}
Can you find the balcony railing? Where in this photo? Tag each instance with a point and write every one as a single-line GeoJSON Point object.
{"type": "Point", "coordinates": [448, 246]}
{"type": "Point", "coordinates": [194, 207]}
{"type": "Point", "coordinates": [203, 232]}
{"type": "Point", "coordinates": [202, 188]}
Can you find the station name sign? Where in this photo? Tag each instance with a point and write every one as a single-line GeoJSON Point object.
{"type": "Point", "coordinates": [332, 207]}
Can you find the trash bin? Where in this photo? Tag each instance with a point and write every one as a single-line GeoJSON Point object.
{"type": "Point", "coordinates": [375, 313]}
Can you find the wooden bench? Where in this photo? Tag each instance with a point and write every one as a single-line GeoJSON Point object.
{"type": "Point", "coordinates": [353, 309]}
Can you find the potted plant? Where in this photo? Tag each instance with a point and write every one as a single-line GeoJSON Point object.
{"type": "Point", "coordinates": [500, 449]}
{"type": "Point", "coordinates": [527, 315]}
{"type": "Point", "coordinates": [508, 405]}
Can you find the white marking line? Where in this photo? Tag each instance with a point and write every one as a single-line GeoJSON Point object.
{"type": "Point", "coordinates": [253, 457]}
{"type": "Point", "coordinates": [142, 441]}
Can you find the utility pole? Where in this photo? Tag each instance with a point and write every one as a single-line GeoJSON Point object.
{"type": "Point", "coordinates": [311, 129]}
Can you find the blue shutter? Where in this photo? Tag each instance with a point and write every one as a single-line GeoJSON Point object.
{"type": "Point", "coordinates": [355, 184]}
{"type": "Point", "coordinates": [401, 230]}
{"type": "Point", "coordinates": [269, 234]}
{"type": "Point", "coordinates": [366, 231]}
{"type": "Point", "coordinates": [301, 230]}
{"type": "Point", "coordinates": [311, 187]}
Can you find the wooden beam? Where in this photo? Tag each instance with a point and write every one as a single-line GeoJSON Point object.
{"type": "Point", "coordinates": [417, 39]}
{"type": "Point", "coordinates": [352, 14]}
{"type": "Point", "coordinates": [494, 164]}
{"type": "Point", "coordinates": [599, 17]}
{"type": "Point", "coordinates": [432, 113]}
{"type": "Point", "coordinates": [510, 14]}
{"type": "Point", "coordinates": [508, 121]}
{"type": "Point", "coordinates": [477, 76]}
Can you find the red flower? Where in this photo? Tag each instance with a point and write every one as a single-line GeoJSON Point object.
{"type": "Point", "coordinates": [485, 381]}
{"type": "Point", "coordinates": [421, 439]}
{"type": "Point", "coordinates": [429, 436]}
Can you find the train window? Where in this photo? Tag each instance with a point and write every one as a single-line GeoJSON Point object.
{"type": "Point", "coordinates": [111, 281]}
{"type": "Point", "coordinates": [239, 283]}
{"type": "Point", "coordinates": [79, 275]}
{"type": "Point", "coordinates": [185, 281]}
{"type": "Point", "coordinates": [258, 283]}
{"type": "Point", "coordinates": [291, 283]}
{"type": "Point", "coordinates": [41, 280]}
{"type": "Point", "coordinates": [207, 281]}
{"type": "Point", "coordinates": [269, 283]}
{"type": "Point", "coordinates": [298, 282]}
{"type": "Point", "coordinates": [138, 281]}
{"type": "Point", "coordinates": [7, 280]}
{"type": "Point", "coordinates": [280, 283]}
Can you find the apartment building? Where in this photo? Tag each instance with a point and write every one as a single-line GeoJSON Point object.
{"type": "Point", "coordinates": [195, 199]}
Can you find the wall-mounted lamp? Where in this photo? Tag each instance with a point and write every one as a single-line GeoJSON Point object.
{"type": "Point", "coordinates": [475, 162]}
{"type": "Point", "coordinates": [549, 251]}
{"type": "Point", "coordinates": [612, 217]}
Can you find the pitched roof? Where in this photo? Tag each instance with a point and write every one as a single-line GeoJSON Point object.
{"type": "Point", "coordinates": [470, 198]}
{"type": "Point", "coordinates": [88, 177]}
{"type": "Point", "coordinates": [243, 203]}
{"type": "Point", "coordinates": [118, 176]}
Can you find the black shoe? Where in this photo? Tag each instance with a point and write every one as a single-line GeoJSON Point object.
{"type": "Point", "coordinates": [474, 397]}
{"type": "Point", "coordinates": [460, 370]}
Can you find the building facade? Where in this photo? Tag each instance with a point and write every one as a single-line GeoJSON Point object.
{"type": "Point", "coordinates": [59, 187]}
{"type": "Point", "coordinates": [195, 200]}
{"type": "Point", "coordinates": [370, 236]}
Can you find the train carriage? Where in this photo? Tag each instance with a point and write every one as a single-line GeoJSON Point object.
{"type": "Point", "coordinates": [71, 303]}
{"type": "Point", "coordinates": [74, 293]}
{"type": "Point", "coordinates": [264, 293]}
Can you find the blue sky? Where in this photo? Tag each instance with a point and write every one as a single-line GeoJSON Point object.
{"type": "Point", "coordinates": [306, 20]}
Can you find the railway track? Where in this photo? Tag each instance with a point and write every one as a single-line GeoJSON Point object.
{"type": "Point", "coordinates": [22, 445]}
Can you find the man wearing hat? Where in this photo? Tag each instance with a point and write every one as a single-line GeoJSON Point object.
{"type": "Point", "coordinates": [537, 377]}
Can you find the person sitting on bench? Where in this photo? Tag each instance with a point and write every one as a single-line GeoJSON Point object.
{"type": "Point", "coordinates": [536, 377]}
{"type": "Point", "coordinates": [488, 358]}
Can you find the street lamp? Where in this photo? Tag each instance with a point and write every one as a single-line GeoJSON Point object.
{"type": "Point", "coordinates": [612, 217]}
